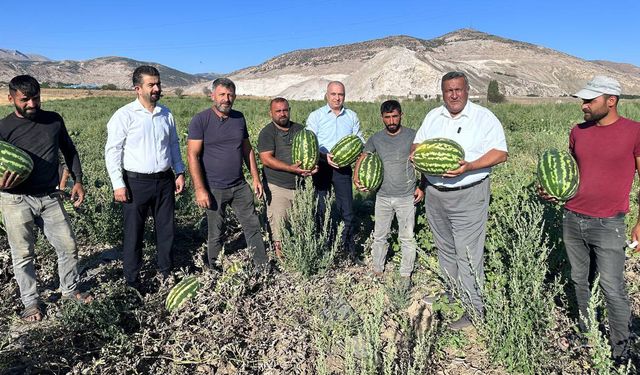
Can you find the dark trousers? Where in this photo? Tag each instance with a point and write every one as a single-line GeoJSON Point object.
{"type": "Point", "coordinates": [241, 200]}
{"type": "Point", "coordinates": [157, 196]}
{"type": "Point", "coordinates": [602, 239]}
{"type": "Point", "coordinates": [340, 179]}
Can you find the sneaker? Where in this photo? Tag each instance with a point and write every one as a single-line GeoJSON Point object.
{"type": "Point", "coordinates": [460, 324]}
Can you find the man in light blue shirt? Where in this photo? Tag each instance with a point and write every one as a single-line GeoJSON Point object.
{"type": "Point", "coordinates": [330, 123]}
{"type": "Point", "coordinates": [141, 151]}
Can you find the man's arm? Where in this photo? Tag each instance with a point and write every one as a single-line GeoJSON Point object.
{"type": "Point", "coordinates": [194, 151]}
{"type": "Point", "coordinates": [491, 158]}
{"type": "Point", "coordinates": [72, 159]}
{"type": "Point", "coordinates": [176, 157]}
{"type": "Point", "coordinates": [635, 232]}
{"type": "Point", "coordinates": [269, 160]}
{"type": "Point", "coordinates": [356, 180]}
{"type": "Point", "coordinates": [113, 151]}
{"type": "Point", "coordinates": [250, 160]}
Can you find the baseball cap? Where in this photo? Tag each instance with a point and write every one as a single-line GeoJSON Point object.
{"type": "Point", "coordinates": [599, 85]}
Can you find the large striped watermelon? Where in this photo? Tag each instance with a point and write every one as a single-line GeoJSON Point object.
{"type": "Point", "coordinates": [180, 293]}
{"type": "Point", "coordinates": [371, 171]}
{"type": "Point", "coordinates": [558, 174]}
{"type": "Point", "coordinates": [13, 159]}
{"type": "Point", "coordinates": [305, 149]}
{"type": "Point", "coordinates": [437, 155]}
{"type": "Point", "coordinates": [347, 150]}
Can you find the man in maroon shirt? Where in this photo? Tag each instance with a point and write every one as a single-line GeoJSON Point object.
{"type": "Point", "coordinates": [607, 149]}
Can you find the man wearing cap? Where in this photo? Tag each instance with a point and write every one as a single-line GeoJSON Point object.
{"type": "Point", "coordinates": [607, 148]}
{"type": "Point", "coordinates": [457, 203]}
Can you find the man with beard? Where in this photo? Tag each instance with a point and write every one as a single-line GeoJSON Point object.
{"type": "Point", "coordinates": [331, 123]}
{"type": "Point", "coordinates": [606, 148]}
{"type": "Point", "coordinates": [279, 172]}
{"type": "Point", "coordinates": [398, 193]}
{"type": "Point", "coordinates": [34, 201]}
{"type": "Point", "coordinates": [141, 151]}
{"type": "Point", "coordinates": [218, 144]}
{"type": "Point", "coordinates": [457, 202]}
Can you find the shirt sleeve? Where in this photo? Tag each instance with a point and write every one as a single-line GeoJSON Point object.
{"type": "Point", "coordinates": [113, 149]}
{"type": "Point", "coordinates": [176, 157]}
{"type": "Point", "coordinates": [356, 126]}
{"type": "Point", "coordinates": [266, 141]}
{"type": "Point", "coordinates": [312, 123]}
{"type": "Point", "coordinates": [370, 146]}
{"type": "Point", "coordinates": [196, 130]}
{"type": "Point", "coordinates": [70, 153]}
{"type": "Point", "coordinates": [421, 134]}
{"type": "Point", "coordinates": [494, 138]}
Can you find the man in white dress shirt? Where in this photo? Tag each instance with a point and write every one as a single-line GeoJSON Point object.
{"type": "Point", "coordinates": [141, 151]}
{"type": "Point", "coordinates": [457, 202]}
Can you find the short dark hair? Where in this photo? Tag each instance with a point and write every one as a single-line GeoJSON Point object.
{"type": "Point", "coordinates": [390, 106]}
{"type": "Point", "coordinates": [278, 100]}
{"type": "Point", "coordinates": [147, 70]}
{"type": "Point", "coordinates": [453, 75]}
{"type": "Point", "coordinates": [26, 84]}
{"type": "Point", "coordinates": [224, 82]}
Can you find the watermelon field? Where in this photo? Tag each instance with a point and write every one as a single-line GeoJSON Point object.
{"type": "Point", "coordinates": [318, 314]}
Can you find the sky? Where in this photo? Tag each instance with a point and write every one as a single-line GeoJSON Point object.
{"type": "Point", "coordinates": [214, 36]}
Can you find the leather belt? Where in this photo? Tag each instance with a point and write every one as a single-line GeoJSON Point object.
{"type": "Point", "coordinates": [619, 215]}
{"type": "Point", "coordinates": [150, 176]}
{"type": "Point", "coordinates": [456, 188]}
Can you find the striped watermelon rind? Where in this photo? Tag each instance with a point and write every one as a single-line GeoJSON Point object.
{"type": "Point", "coordinates": [436, 156]}
{"type": "Point", "coordinates": [181, 292]}
{"type": "Point", "coordinates": [558, 174]}
{"type": "Point", "coordinates": [305, 149]}
{"type": "Point", "coordinates": [13, 159]}
{"type": "Point", "coordinates": [347, 150]}
{"type": "Point", "coordinates": [371, 171]}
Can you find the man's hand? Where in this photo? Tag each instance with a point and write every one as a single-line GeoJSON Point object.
{"type": "Point", "coordinates": [9, 180]}
{"type": "Point", "coordinates": [77, 194]}
{"type": "Point", "coordinates": [418, 195]}
{"type": "Point", "coordinates": [180, 183]}
{"type": "Point", "coordinates": [635, 236]}
{"type": "Point", "coordinates": [257, 188]}
{"type": "Point", "coordinates": [464, 167]}
{"type": "Point", "coordinates": [121, 194]}
{"type": "Point", "coordinates": [311, 172]}
{"type": "Point", "coordinates": [203, 199]}
{"type": "Point", "coordinates": [295, 168]}
{"type": "Point", "coordinates": [359, 186]}
{"type": "Point", "coordinates": [330, 161]}
{"type": "Point", "coordinates": [544, 195]}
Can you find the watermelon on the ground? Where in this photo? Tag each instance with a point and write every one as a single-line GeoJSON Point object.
{"type": "Point", "coordinates": [558, 174]}
{"type": "Point", "coordinates": [436, 156]}
{"type": "Point", "coordinates": [347, 150]}
{"type": "Point", "coordinates": [371, 171]}
{"type": "Point", "coordinates": [13, 159]}
{"type": "Point", "coordinates": [181, 292]}
{"type": "Point", "coordinates": [305, 149]}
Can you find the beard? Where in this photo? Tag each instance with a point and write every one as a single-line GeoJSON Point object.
{"type": "Point", "coordinates": [282, 122]}
{"type": "Point", "coordinates": [155, 96]}
{"type": "Point", "coordinates": [224, 107]}
{"type": "Point", "coordinates": [29, 112]}
{"type": "Point", "coordinates": [595, 117]}
{"type": "Point", "coordinates": [392, 129]}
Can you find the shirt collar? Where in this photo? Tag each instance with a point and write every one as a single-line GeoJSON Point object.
{"type": "Point", "coordinates": [137, 106]}
{"type": "Point", "coordinates": [466, 111]}
{"type": "Point", "coordinates": [329, 110]}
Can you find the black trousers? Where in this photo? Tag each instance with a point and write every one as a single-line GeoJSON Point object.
{"type": "Point", "coordinates": [155, 195]}
{"type": "Point", "coordinates": [340, 179]}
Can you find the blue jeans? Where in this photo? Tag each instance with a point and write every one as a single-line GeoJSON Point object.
{"type": "Point", "coordinates": [21, 213]}
{"type": "Point", "coordinates": [241, 200]}
{"type": "Point", "coordinates": [386, 208]}
{"type": "Point", "coordinates": [603, 239]}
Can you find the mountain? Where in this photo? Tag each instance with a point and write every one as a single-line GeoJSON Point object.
{"type": "Point", "coordinates": [100, 71]}
{"type": "Point", "coordinates": [14, 55]}
{"type": "Point", "coordinates": [403, 66]}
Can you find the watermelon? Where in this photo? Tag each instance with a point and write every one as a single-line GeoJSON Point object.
{"type": "Point", "coordinates": [181, 292]}
{"type": "Point", "coordinates": [437, 155]}
{"type": "Point", "coordinates": [347, 150]}
{"type": "Point", "coordinates": [558, 174]}
{"type": "Point", "coordinates": [13, 159]}
{"type": "Point", "coordinates": [305, 149]}
{"type": "Point", "coordinates": [371, 171]}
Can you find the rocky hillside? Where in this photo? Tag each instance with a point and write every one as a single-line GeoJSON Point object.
{"type": "Point", "coordinates": [404, 66]}
{"type": "Point", "coordinates": [100, 71]}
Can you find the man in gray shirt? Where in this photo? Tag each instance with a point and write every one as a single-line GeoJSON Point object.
{"type": "Point", "coordinates": [398, 193]}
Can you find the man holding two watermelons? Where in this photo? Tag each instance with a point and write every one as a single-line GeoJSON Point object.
{"type": "Point", "coordinates": [331, 123]}
{"type": "Point", "coordinates": [457, 197]}
{"type": "Point", "coordinates": [606, 148]}
{"type": "Point", "coordinates": [397, 194]}
{"type": "Point", "coordinates": [28, 197]}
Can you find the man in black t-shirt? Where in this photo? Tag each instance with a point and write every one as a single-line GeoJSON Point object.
{"type": "Point", "coordinates": [217, 145]}
{"type": "Point", "coordinates": [279, 172]}
{"type": "Point", "coordinates": [41, 134]}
